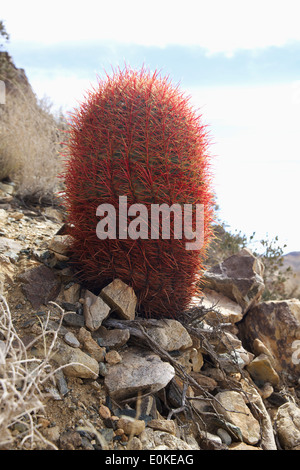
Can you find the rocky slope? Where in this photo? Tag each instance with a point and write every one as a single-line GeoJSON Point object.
{"type": "Point", "coordinates": [226, 376]}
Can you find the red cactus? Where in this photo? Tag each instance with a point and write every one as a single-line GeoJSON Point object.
{"type": "Point", "coordinates": [137, 136]}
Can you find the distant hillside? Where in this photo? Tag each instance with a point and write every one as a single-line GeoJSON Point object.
{"type": "Point", "coordinates": [293, 284]}
{"type": "Point", "coordinates": [293, 259]}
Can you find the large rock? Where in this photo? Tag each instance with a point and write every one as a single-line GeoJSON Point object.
{"type": "Point", "coordinates": [277, 325]}
{"type": "Point", "coordinates": [239, 277]}
{"type": "Point", "coordinates": [121, 298]}
{"type": "Point", "coordinates": [139, 372]}
{"type": "Point", "coordinates": [114, 339]}
{"type": "Point", "coordinates": [262, 372]}
{"type": "Point", "coordinates": [288, 426]}
{"type": "Point", "coordinates": [95, 310]}
{"type": "Point", "coordinates": [232, 406]}
{"type": "Point", "coordinates": [76, 363]}
{"type": "Point", "coordinates": [228, 311]}
{"type": "Point", "coordinates": [169, 334]}
{"type": "Point", "coordinates": [40, 285]}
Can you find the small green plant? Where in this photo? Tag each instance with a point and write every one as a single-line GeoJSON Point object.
{"type": "Point", "coordinates": [276, 274]}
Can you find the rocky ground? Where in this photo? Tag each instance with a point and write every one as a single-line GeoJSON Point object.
{"type": "Point", "coordinates": [226, 376]}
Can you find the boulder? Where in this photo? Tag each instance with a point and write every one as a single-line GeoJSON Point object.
{"type": "Point", "coordinates": [115, 338]}
{"type": "Point", "coordinates": [169, 334]}
{"type": "Point", "coordinates": [139, 372]}
{"type": "Point", "coordinates": [277, 325]}
{"type": "Point", "coordinates": [228, 310]}
{"type": "Point", "coordinates": [261, 371]}
{"type": "Point", "coordinates": [239, 277]}
{"type": "Point", "coordinates": [40, 285]}
{"type": "Point", "coordinates": [95, 310]}
{"type": "Point", "coordinates": [76, 363]}
{"type": "Point", "coordinates": [232, 406]}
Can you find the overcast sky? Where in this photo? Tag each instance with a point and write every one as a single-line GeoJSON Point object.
{"type": "Point", "coordinates": [238, 60]}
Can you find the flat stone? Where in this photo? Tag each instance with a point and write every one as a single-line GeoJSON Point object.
{"type": "Point", "coordinates": [76, 362]}
{"type": "Point", "coordinates": [228, 310]}
{"type": "Point", "coordinates": [232, 406]}
{"type": "Point", "coordinates": [112, 338]}
{"type": "Point", "coordinates": [72, 294]}
{"type": "Point", "coordinates": [121, 298]}
{"type": "Point", "coordinates": [139, 372]}
{"type": "Point", "coordinates": [71, 340]}
{"type": "Point", "coordinates": [40, 285]}
{"type": "Point", "coordinates": [169, 334]}
{"type": "Point", "coordinates": [95, 310]}
{"type": "Point", "coordinates": [61, 382]}
{"type": "Point", "coordinates": [166, 425]}
{"type": "Point", "coordinates": [73, 319]}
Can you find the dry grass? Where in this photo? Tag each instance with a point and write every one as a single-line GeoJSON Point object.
{"type": "Point", "coordinates": [22, 382]}
{"type": "Point", "coordinates": [30, 139]}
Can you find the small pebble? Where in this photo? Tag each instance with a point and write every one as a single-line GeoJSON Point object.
{"type": "Point", "coordinates": [108, 434]}
{"type": "Point", "coordinates": [71, 340]}
{"type": "Point", "coordinates": [102, 369]}
{"type": "Point", "coordinates": [61, 382]}
{"type": "Point", "coordinates": [73, 319]}
{"type": "Point", "coordinates": [134, 444]}
{"type": "Point", "coordinates": [225, 437]}
{"type": "Point", "coordinates": [131, 426]}
{"type": "Point", "coordinates": [113, 357]}
{"type": "Point", "coordinates": [104, 412]}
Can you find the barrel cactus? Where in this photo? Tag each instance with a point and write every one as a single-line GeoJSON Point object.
{"type": "Point", "coordinates": [136, 139]}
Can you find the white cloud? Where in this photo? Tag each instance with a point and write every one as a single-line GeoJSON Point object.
{"type": "Point", "coordinates": [217, 25]}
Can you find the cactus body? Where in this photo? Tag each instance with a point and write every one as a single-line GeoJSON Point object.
{"type": "Point", "coordinates": [137, 136]}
